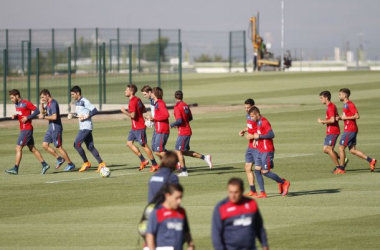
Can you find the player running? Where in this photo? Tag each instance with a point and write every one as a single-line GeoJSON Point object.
{"type": "Point", "coordinates": [161, 123]}
{"type": "Point", "coordinates": [147, 93]}
{"type": "Point", "coordinates": [332, 128]}
{"type": "Point", "coordinates": [183, 116]}
{"type": "Point", "coordinates": [138, 133]}
{"type": "Point", "coordinates": [54, 133]}
{"type": "Point", "coordinates": [84, 111]}
{"type": "Point", "coordinates": [264, 160]}
{"type": "Point", "coordinates": [348, 138]}
{"type": "Point", "coordinates": [24, 115]}
{"type": "Point", "coordinates": [252, 150]}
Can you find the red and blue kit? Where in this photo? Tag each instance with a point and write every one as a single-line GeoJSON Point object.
{"type": "Point", "coordinates": [136, 106]}
{"type": "Point", "coordinates": [161, 117]}
{"type": "Point", "coordinates": [332, 128]}
{"type": "Point", "coordinates": [349, 109]}
{"type": "Point", "coordinates": [263, 129]}
{"type": "Point", "coordinates": [183, 112]}
{"type": "Point", "coordinates": [25, 108]}
{"type": "Point", "coordinates": [252, 128]}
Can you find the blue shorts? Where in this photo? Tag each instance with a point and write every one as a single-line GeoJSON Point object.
{"type": "Point", "coordinates": [183, 143]}
{"type": "Point", "coordinates": [330, 140]}
{"type": "Point", "coordinates": [251, 154]}
{"type": "Point", "coordinates": [85, 136]}
{"type": "Point", "coordinates": [55, 137]}
{"type": "Point", "coordinates": [154, 135]}
{"type": "Point", "coordinates": [348, 139]}
{"type": "Point", "coordinates": [138, 135]}
{"type": "Point", "coordinates": [159, 142]}
{"type": "Point", "coordinates": [265, 160]}
{"type": "Point", "coordinates": [25, 138]}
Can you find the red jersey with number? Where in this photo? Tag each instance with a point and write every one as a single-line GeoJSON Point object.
{"type": "Point", "coordinates": [252, 128]}
{"type": "Point", "coordinates": [135, 105]}
{"type": "Point", "coordinates": [24, 108]}
{"type": "Point", "coordinates": [349, 109]}
{"type": "Point", "coordinates": [263, 127]}
{"type": "Point", "coordinates": [332, 128]}
{"type": "Point", "coordinates": [183, 112]}
{"type": "Point", "coordinates": [161, 117]}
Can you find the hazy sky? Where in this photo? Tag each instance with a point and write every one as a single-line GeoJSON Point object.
{"type": "Point", "coordinates": [308, 23]}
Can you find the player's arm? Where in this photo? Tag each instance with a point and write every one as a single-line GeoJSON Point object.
{"type": "Point", "coordinates": [217, 230]}
{"type": "Point", "coordinates": [178, 118]}
{"type": "Point", "coordinates": [127, 113]}
{"type": "Point", "coordinates": [354, 117]}
{"type": "Point", "coordinates": [242, 132]}
{"type": "Point", "coordinates": [260, 231]}
{"type": "Point", "coordinates": [151, 230]}
{"type": "Point", "coordinates": [150, 241]}
{"type": "Point", "coordinates": [35, 113]}
{"type": "Point", "coordinates": [329, 121]}
{"type": "Point", "coordinates": [53, 116]}
{"type": "Point", "coordinates": [162, 113]}
{"type": "Point", "coordinates": [89, 106]}
{"type": "Point", "coordinates": [187, 235]}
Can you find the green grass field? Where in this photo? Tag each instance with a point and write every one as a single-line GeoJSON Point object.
{"type": "Point", "coordinates": [322, 210]}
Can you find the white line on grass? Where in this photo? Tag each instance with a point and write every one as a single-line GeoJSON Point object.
{"type": "Point", "coordinates": [220, 164]}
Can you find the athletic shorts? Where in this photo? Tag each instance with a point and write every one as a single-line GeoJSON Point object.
{"type": "Point", "coordinates": [251, 154]}
{"type": "Point", "coordinates": [348, 139]}
{"type": "Point", "coordinates": [154, 135]}
{"type": "Point", "coordinates": [138, 135]}
{"type": "Point", "coordinates": [25, 138]}
{"type": "Point", "coordinates": [183, 143]}
{"type": "Point", "coordinates": [330, 140]}
{"type": "Point", "coordinates": [85, 136]}
{"type": "Point", "coordinates": [55, 137]}
{"type": "Point", "coordinates": [159, 142]}
{"type": "Point", "coordinates": [265, 160]}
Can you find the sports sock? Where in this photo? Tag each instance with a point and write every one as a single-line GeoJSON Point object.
{"type": "Point", "coordinates": [59, 158]}
{"type": "Point", "coordinates": [369, 159]}
{"type": "Point", "coordinates": [16, 166]}
{"type": "Point", "coordinates": [43, 163]}
{"type": "Point", "coordinates": [142, 159]}
{"type": "Point", "coordinates": [253, 188]}
{"type": "Point", "coordinates": [202, 157]}
{"type": "Point", "coordinates": [260, 179]}
{"type": "Point", "coordinates": [184, 169]}
{"type": "Point", "coordinates": [154, 163]}
{"type": "Point", "coordinates": [274, 177]}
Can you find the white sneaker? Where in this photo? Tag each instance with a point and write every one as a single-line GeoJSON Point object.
{"type": "Point", "coordinates": [208, 160]}
{"type": "Point", "coordinates": [183, 173]}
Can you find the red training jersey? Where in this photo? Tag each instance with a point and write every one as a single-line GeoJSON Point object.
{"type": "Point", "coordinates": [263, 127]}
{"type": "Point", "coordinates": [161, 117]}
{"type": "Point", "coordinates": [349, 109]}
{"type": "Point", "coordinates": [252, 129]}
{"type": "Point", "coordinates": [24, 108]}
{"type": "Point", "coordinates": [332, 128]}
{"type": "Point", "coordinates": [183, 112]}
{"type": "Point", "coordinates": [135, 105]}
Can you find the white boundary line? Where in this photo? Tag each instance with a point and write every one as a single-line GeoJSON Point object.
{"type": "Point", "coordinates": [220, 164]}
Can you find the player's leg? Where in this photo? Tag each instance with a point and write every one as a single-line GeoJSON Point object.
{"type": "Point", "coordinates": [249, 160]}
{"type": "Point", "coordinates": [360, 154]}
{"type": "Point", "coordinates": [78, 146]}
{"type": "Point", "coordinates": [267, 165]}
{"type": "Point", "coordinates": [89, 141]}
{"type": "Point", "coordinates": [184, 143]}
{"type": "Point", "coordinates": [48, 138]}
{"type": "Point", "coordinates": [37, 154]}
{"type": "Point", "coordinates": [328, 148]}
{"type": "Point", "coordinates": [19, 147]}
{"type": "Point", "coordinates": [344, 141]}
{"type": "Point", "coordinates": [159, 149]}
{"type": "Point", "coordinates": [57, 140]}
{"type": "Point", "coordinates": [259, 176]}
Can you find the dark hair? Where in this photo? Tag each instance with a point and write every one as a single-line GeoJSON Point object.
{"type": "Point", "coordinates": [132, 87]}
{"type": "Point", "coordinates": [158, 92]}
{"type": "Point", "coordinates": [76, 89]}
{"type": "Point", "coordinates": [146, 88]}
{"type": "Point", "coordinates": [326, 94]}
{"type": "Point", "coordinates": [169, 160]}
{"type": "Point", "coordinates": [250, 102]}
{"type": "Point", "coordinates": [178, 95]}
{"type": "Point", "coordinates": [45, 92]}
{"type": "Point", "coordinates": [346, 91]}
{"type": "Point", "coordinates": [14, 92]}
{"type": "Point", "coordinates": [170, 188]}
{"type": "Point", "coordinates": [236, 182]}
{"type": "Point", "coordinates": [254, 110]}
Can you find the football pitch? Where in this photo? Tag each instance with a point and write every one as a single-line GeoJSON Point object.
{"type": "Point", "coordinates": [322, 211]}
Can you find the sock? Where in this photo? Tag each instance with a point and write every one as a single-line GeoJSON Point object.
{"type": "Point", "coordinates": [260, 179]}
{"type": "Point", "coordinates": [154, 163]}
{"type": "Point", "coordinates": [82, 153]}
{"type": "Point", "coordinates": [253, 188]}
{"type": "Point", "coordinates": [274, 177]}
{"type": "Point", "coordinates": [369, 159]}
{"type": "Point", "coordinates": [16, 166]}
{"type": "Point", "coordinates": [341, 167]}
{"type": "Point", "coordinates": [142, 159]}
{"type": "Point", "coordinates": [184, 169]}
{"type": "Point", "coordinates": [59, 158]}
{"type": "Point", "coordinates": [43, 163]}
{"type": "Point", "coordinates": [202, 157]}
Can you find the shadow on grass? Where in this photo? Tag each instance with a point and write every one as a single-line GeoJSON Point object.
{"type": "Point", "coordinates": [216, 171]}
{"type": "Point", "coordinates": [359, 170]}
{"type": "Point", "coordinates": [93, 169]}
{"type": "Point", "coordinates": [311, 192]}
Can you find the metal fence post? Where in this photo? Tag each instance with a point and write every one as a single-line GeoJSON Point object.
{"type": "Point", "coordinates": [37, 75]}
{"type": "Point", "coordinates": [75, 49]}
{"type": "Point", "coordinates": [5, 55]}
{"type": "Point", "coordinates": [6, 44]}
{"type": "Point", "coordinates": [130, 63]}
{"type": "Point", "coordinates": [180, 65]}
{"type": "Point", "coordinates": [29, 67]}
{"type": "Point", "coordinates": [118, 50]}
{"type": "Point", "coordinates": [52, 51]}
{"type": "Point", "coordinates": [69, 78]}
{"type": "Point", "coordinates": [179, 35]}
{"type": "Point", "coordinates": [104, 73]}
{"type": "Point", "coordinates": [30, 37]}
{"type": "Point", "coordinates": [230, 52]}
{"type": "Point", "coordinates": [139, 50]}
{"type": "Point", "coordinates": [96, 47]}
{"type": "Point", "coordinates": [99, 49]}
{"type": "Point", "coordinates": [110, 51]}
{"type": "Point", "coordinates": [245, 51]}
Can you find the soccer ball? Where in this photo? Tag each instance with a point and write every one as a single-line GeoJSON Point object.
{"type": "Point", "coordinates": [105, 172]}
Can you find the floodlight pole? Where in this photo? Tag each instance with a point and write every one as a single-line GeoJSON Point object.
{"type": "Point", "coordinates": [282, 33]}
